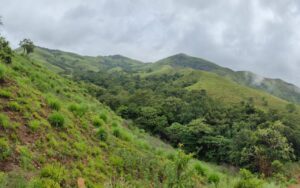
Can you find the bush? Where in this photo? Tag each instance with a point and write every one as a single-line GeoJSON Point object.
{"type": "Point", "coordinates": [97, 122]}
{"type": "Point", "coordinates": [277, 166]}
{"type": "Point", "coordinates": [5, 94]}
{"type": "Point", "coordinates": [200, 169]}
{"type": "Point", "coordinates": [114, 124]}
{"type": "Point", "coordinates": [4, 121]}
{"type": "Point", "coordinates": [54, 171]}
{"type": "Point", "coordinates": [14, 106]}
{"type": "Point", "coordinates": [214, 178]}
{"type": "Point", "coordinates": [102, 134]}
{"type": "Point", "coordinates": [56, 119]}
{"type": "Point", "coordinates": [103, 117]}
{"type": "Point", "coordinates": [78, 110]}
{"type": "Point", "coordinates": [117, 133]}
{"type": "Point", "coordinates": [54, 104]}
{"type": "Point", "coordinates": [248, 180]}
{"type": "Point", "coordinates": [43, 183]}
{"type": "Point", "coordinates": [6, 52]}
{"type": "Point", "coordinates": [34, 125]}
{"type": "Point", "coordinates": [2, 71]}
{"type": "Point", "coordinates": [4, 148]}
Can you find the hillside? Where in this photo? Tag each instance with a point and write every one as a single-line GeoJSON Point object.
{"type": "Point", "coordinates": [275, 87]}
{"type": "Point", "coordinates": [55, 134]}
{"type": "Point", "coordinates": [205, 110]}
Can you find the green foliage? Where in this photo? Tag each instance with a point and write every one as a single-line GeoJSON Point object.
{"type": "Point", "coordinates": [25, 157]}
{"type": "Point", "coordinates": [103, 116]}
{"type": "Point", "coordinates": [102, 134]}
{"type": "Point", "coordinates": [214, 178]}
{"type": "Point", "coordinates": [97, 122]}
{"type": "Point", "coordinates": [6, 52]}
{"type": "Point", "coordinates": [43, 183]}
{"type": "Point", "coordinates": [277, 166]}
{"type": "Point", "coordinates": [27, 45]}
{"type": "Point", "coordinates": [34, 125]}
{"type": "Point", "coordinates": [55, 172]}
{"type": "Point", "coordinates": [200, 169]}
{"type": "Point", "coordinates": [2, 72]}
{"type": "Point", "coordinates": [5, 149]}
{"type": "Point", "coordinates": [14, 106]}
{"type": "Point", "coordinates": [78, 110]}
{"type": "Point", "coordinates": [54, 104]}
{"type": "Point", "coordinates": [291, 107]}
{"type": "Point", "coordinates": [117, 133]}
{"type": "Point", "coordinates": [5, 94]}
{"type": "Point", "coordinates": [4, 121]}
{"type": "Point", "coordinates": [56, 119]}
{"type": "Point", "coordinates": [248, 180]}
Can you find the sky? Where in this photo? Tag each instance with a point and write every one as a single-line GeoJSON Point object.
{"type": "Point", "coordinates": [262, 36]}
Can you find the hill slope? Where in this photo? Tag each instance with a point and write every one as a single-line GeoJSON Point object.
{"type": "Point", "coordinates": [275, 87]}
{"type": "Point", "coordinates": [55, 134]}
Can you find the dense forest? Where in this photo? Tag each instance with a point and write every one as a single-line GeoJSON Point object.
{"type": "Point", "coordinates": [241, 134]}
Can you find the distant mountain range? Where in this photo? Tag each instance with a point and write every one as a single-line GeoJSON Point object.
{"type": "Point", "coordinates": [66, 62]}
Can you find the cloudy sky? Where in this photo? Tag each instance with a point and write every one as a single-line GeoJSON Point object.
{"type": "Point", "coordinates": [262, 36]}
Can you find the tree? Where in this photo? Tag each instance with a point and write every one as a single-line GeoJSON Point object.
{"type": "Point", "coordinates": [6, 52]}
{"type": "Point", "coordinates": [27, 46]}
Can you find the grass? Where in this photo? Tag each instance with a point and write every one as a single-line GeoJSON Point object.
{"type": "Point", "coordinates": [106, 155]}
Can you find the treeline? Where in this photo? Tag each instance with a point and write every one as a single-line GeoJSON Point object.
{"type": "Point", "coordinates": [241, 135]}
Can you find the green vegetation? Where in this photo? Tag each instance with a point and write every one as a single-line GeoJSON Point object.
{"type": "Point", "coordinates": [27, 46]}
{"type": "Point", "coordinates": [56, 132]}
{"type": "Point", "coordinates": [2, 72]}
{"type": "Point", "coordinates": [56, 119]}
{"type": "Point", "coordinates": [4, 149]}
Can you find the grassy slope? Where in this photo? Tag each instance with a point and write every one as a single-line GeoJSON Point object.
{"type": "Point", "coordinates": [218, 81]}
{"type": "Point", "coordinates": [275, 87]}
{"type": "Point", "coordinates": [74, 148]}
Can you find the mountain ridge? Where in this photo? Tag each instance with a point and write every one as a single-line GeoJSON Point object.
{"type": "Point", "coordinates": [274, 86]}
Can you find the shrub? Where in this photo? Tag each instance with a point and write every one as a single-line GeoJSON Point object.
{"type": "Point", "coordinates": [53, 104]}
{"type": "Point", "coordinates": [214, 178]}
{"type": "Point", "coordinates": [6, 52]}
{"type": "Point", "coordinates": [56, 119]}
{"type": "Point", "coordinates": [102, 134]}
{"type": "Point", "coordinates": [103, 117]}
{"type": "Point", "coordinates": [5, 94]}
{"type": "Point", "coordinates": [78, 110]}
{"type": "Point", "coordinates": [43, 183]}
{"type": "Point", "coordinates": [97, 122]}
{"type": "Point", "coordinates": [14, 106]}
{"type": "Point", "coordinates": [34, 125]}
{"type": "Point", "coordinates": [55, 172]}
{"type": "Point", "coordinates": [114, 124]}
{"type": "Point", "coordinates": [25, 157]}
{"type": "Point", "coordinates": [200, 169]}
{"type": "Point", "coordinates": [4, 148]}
{"type": "Point", "coordinates": [117, 133]}
{"type": "Point", "coordinates": [4, 121]}
{"type": "Point", "coordinates": [2, 71]}
{"type": "Point", "coordinates": [277, 166]}
{"type": "Point", "coordinates": [248, 180]}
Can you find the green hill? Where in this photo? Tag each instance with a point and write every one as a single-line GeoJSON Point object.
{"type": "Point", "coordinates": [275, 87]}
{"type": "Point", "coordinates": [54, 133]}
{"type": "Point", "coordinates": [58, 131]}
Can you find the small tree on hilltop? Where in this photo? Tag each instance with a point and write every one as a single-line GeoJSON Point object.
{"type": "Point", "coordinates": [27, 46]}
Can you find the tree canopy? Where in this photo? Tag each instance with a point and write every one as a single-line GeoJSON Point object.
{"type": "Point", "coordinates": [27, 45]}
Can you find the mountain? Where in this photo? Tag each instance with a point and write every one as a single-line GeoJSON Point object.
{"type": "Point", "coordinates": [275, 87]}
{"type": "Point", "coordinates": [105, 108]}
{"type": "Point", "coordinates": [54, 133]}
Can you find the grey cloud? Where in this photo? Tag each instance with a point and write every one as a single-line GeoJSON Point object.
{"type": "Point", "coordinates": [257, 35]}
